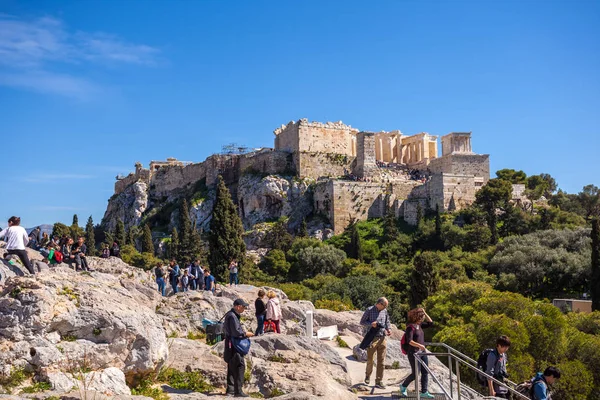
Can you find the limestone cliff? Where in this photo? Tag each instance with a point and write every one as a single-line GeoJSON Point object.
{"type": "Point", "coordinates": [260, 198]}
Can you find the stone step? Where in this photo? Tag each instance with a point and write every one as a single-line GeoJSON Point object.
{"type": "Point", "coordinates": [413, 395]}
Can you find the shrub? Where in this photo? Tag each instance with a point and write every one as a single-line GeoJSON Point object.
{"type": "Point", "coordinates": [184, 380]}
{"type": "Point", "coordinates": [312, 261]}
{"type": "Point", "coordinates": [576, 381]}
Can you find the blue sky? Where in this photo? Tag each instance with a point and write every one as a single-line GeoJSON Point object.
{"type": "Point", "coordinates": [87, 88]}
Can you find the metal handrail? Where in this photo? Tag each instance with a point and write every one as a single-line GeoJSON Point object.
{"type": "Point", "coordinates": [453, 350]}
{"type": "Point", "coordinates": [459, 361]}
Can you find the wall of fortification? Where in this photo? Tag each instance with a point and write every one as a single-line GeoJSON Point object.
{"type": "Point", "coordinates": [330, 137]}
{"type": "Point", "coordinates": [287, 137]}
{"type": "Point", "coordinates": [343, 201]}
{"type": "Point", "coordinates": [268, 161]}
{"type": "Point", "coordinates": [462, 164]}
{"type": "Point", "coordinates": [122, 184]}
{"type": "Point", "coordinates": [317, 165]}
{"type": "Point", "coordinates": [170, 178]}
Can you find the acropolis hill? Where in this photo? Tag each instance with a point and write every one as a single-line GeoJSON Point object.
{"type": "Point", "coordinates": [327, 170]}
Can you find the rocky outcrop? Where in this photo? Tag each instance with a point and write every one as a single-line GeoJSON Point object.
{"type": "Point", "coordinates": [63, 320]}
{"type": "Point", "coordinates": [127, 206]}
{"type": "Point", "coordinates": [271, 197]}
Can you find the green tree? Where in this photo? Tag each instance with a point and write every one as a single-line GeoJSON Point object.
{"type": "Point", "coordinates": [355, 247]}
{"type": "Point", "coordinates": [439, 241]}
{"type": "Point", "coordinates": [174, 245]}
{"type": "Point", "coordinates": [147, 244]}
{"type": "Point", "coordinates": [225, 241]}
{"type": "Point", "coordinates": [494, 195]}
{"type": "Point", "coordinates": [420, 216]}
{"type": "Point", "coordinates": [120, 233]}
{"type": "Point", "coordinates": [512, 176]}
{"type": "Point", "coordinates": [90, 240]}
{"type": "Point", "coordinates": [312, 261]}
{"type": "Point", "coordinates": [595, 281]}
{"type": "Point", "coordinates": [589, 198]}
{"type": "Point", "coordinates": [390, 229]}
{"type": "Point", "coordinates": [279, 237]}
{"type": "Point", "coordinates": [303, 229]}
{"type": "Point", "coordinates": [60, 230]}
{"type": "Point", "coordinates": [276, 265]}
{"type": "Point", "coordinates": [576, 381]}
{"type": "Point", "coordinates": [197, 244]}
{"type": "Point", "coordinates": [75, 230]}
{"type": "Point", "coordinates": [424, 280]}
{"type": "Point", "coordinates": [540, 185]}
{"type": "Point", "coordinates": [185, 250]}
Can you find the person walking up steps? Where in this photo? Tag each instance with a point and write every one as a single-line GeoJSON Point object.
{"type": "Point", "coordinates": [376, 318]}
{"type": "Point", "coordinates": [415, 342]}
{"type": "Point", "coordinates": [16, 241]}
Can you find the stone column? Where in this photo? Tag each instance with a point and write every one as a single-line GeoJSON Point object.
{"type": "Point", "coordinates": [391, 147]}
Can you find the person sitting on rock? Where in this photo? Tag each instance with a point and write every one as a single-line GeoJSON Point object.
{"type": "Point", "coordinates": [34, 238]}
{"type": "Point", "coordinates": [236, 366]}
{"type": "Point", "coordinates": [105, 251]}
{"type": "Point", "coordinates": [80, 251]}
{"type": "Point", "coordinates": [45, 240]}
{"type": "Point", "coordinates": [115, 250]}
{"type": "Point", "coordinates": [209, 282]}
{"type": "Point", "coordinates": [377, 319]}
{"type": "Point", "coordinates": [72, 254]}
{"type": "Point", "coordinates": [16, 241]}
{"type": "Point", "coordinates": [274, 310]}
{"type": "Point", "coordinates": [174, 273]}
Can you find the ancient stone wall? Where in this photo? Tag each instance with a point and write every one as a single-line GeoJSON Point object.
{"type": "Point", "coordinates": [462, 164]}
{"type": "Point", "coordinates": [343, 201]}
{"type": "Point", "coordinates": [170, 178]}
{"type": "Point", "coordinates": [365, 154]}
{"type": "Point", "coordinates": [140, 174]}
{"type": "Point", "coordinates": [305, 136]}
{"type": "Point", "coordinates": [318, 165]}
{"type": "Point", "coordinates": [268, 161]}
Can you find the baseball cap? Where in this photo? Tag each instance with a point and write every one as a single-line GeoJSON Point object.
{"type": "Point", "coordinates": [240, 302]}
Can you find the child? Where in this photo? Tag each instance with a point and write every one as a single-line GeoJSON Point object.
{"type": "Point", "coordinates": [185, 280]}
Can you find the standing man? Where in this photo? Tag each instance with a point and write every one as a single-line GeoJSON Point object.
{"type": "Point", "coordinates": [376, 317]}
{"type": "Point", "coordinates": [174, 273]}
{"type": "Point", "coordinates": [209, 281]}
{"type": "Point", "coordinates": [496, 367]}
{"type": "Point", "coordinates": [233, 272]}
{"type": "Point", "coordinates": [236, 366]}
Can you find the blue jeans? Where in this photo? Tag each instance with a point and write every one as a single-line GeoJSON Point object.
{"type": "Point", "coordinates": [260, 319]}
{"type": "Point", "coordinates": [174, 283]}
{"type": "Point", "coordinates": [161, 285]}
{"type": "Point", "coordinates": [233, 278]}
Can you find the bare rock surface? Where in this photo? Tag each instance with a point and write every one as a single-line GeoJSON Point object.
{"type": "Point", "coordinates": [64, 320]}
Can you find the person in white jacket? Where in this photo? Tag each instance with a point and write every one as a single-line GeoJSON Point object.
{"type": "Point", "coordinates": [16, 240]}
{"type": "Point", "coordinates": [273, 310]}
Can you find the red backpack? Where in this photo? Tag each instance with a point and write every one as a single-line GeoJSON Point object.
{"type": "Point", "coordinates": [58, 256]}
{"type": "Point", "coordinates": [403, 344]}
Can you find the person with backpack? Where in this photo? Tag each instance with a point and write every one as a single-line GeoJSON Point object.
{"type": "Point", "coordinates": [495, 365]}
{"type": "Point", "coordinates": [174, 273]}
{"type": "Point", "coordinates": [159, 273]}
{"type": "Point", "coordinates": [236, 366]}
{"type": "Point", "coordinates": [377, 319]}
{"type": "Point", "coordinates": [16, 240]}
{"type": "Point", "coordinates": [115, 250]}
{"type": "Point", "coordinates": [413, 342]}
{"type": "Point", "coordinates": [539, 383]}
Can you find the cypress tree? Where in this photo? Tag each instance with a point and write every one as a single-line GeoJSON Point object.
{"type": "Point", "coordinates": [356, 250]}
{"type": "Point", "coordinates": [419, 214]}
{"type": "Point", "coordinates": [196, 244]}
{"type": "Point", "coordinates": [130, 237]}
{"type": "Point", "coordinates": [303, 229]}
{"type": "Point", "coordinates": [147, 244]}
{"type": "Point", "coordinates": [185, 233]}
{"type": "Point", "coordinates": [75, 220]}
{"type": "Point", "coordinates": [225, 241]}
{"type": "Point", "coordinates": [120, 233]}
{"type": "Point", "coordinates": [390, 229]}
{"type": "Point", "coordinates": [595, 264]}
{"type": "Point", "coordinates": [174, 246]}
{"type": "Point", "coordinates": [439, 242]}
{"type": "Point", "coordinates": [90, 240]}
{"type": "Point", "coordinates": [74, 230]}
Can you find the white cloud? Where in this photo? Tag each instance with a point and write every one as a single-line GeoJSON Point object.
{"type": "Point", "coordinates": [47, 82]}
{"type": "Point", "coordinates": [30, 50]}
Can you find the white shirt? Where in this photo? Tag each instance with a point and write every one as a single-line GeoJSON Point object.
{"type": "Point", "coordinates": [16, 237]}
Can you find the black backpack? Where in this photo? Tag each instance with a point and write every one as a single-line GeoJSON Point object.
{"type": "Point", "coordinates": [482, 365]}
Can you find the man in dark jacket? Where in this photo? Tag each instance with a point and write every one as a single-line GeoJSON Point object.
{"type": "Point", "coordinates": [236, 366]}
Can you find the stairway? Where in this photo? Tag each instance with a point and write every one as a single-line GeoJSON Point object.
{"type": "Point", "coordinates": [413, 396]}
